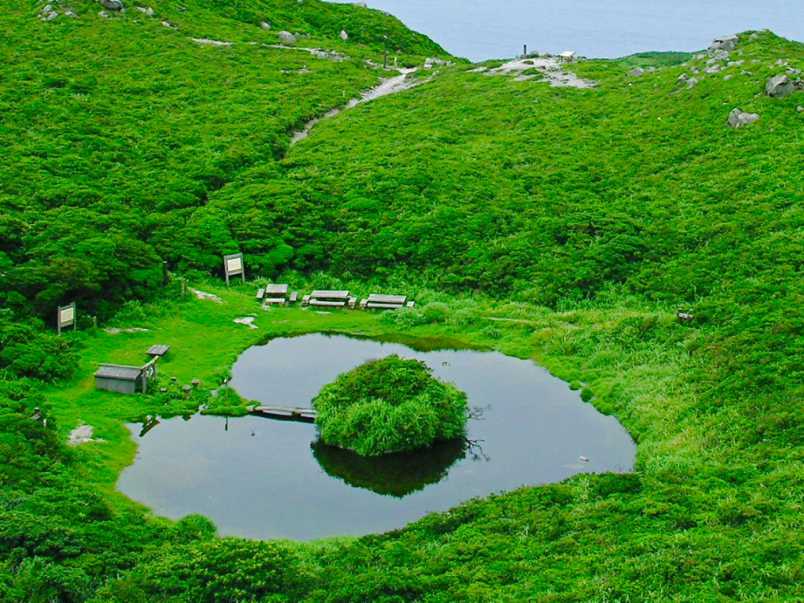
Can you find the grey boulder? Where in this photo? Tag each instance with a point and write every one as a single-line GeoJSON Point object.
{"type": "Point", "coordinates": [286, 37]}
{"type": "Point", "coordinates": [111, 4]}
{"type": "Point", "coordinates": [727, 43]}
{"type": "Point", "coordinates": [779, 86]}
{"type": "Point", "coordinates": [739, 118]}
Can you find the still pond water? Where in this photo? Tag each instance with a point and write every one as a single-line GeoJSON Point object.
{"type": "Point", "coordinates": [486, 29]}
{"type": "Point", "coordinates": [262, 478]}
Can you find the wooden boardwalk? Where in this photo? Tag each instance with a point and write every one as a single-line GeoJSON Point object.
{"type": "Point", "coordinates": [303, 415]}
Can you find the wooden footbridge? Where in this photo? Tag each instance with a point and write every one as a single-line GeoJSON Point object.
{"type": "Point", "coordinates": [283, 413]}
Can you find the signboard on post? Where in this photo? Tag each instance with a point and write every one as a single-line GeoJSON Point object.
{"type": "Point", "coordinates": [65, 317]}
{"type": "Point", "coordinates": [233, 266]}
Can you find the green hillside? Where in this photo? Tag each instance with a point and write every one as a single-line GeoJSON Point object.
{"type": "Point", "coordinates": [567, 225]}
{"type": "Point", "coordinates": [117, 129]}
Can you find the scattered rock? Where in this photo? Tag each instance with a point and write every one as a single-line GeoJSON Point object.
{"type": "Point", "coordinates": [208, 42]}
{"type": "Point", "coordinates": [48, 13]}
{"type": "Point", "coordinates": [104, 15]}
{"type": "Point", "coordinates": [636, 72]}
{"type": "Point", "coordinates": [287, 38]}
{"type": "Point", "coordinates": [246, 320]}
{"type": "Point", "coordinates": [111, 4]}
{"type": "Point", "coordinates": [146, 10]}
{"type": "Point", "coordinates": [550, 69]}
{"type": "Point", "coordinates": [779, 86]}
{"type": "Point", "coordinates": [431, 62]}
{"type": "Point", "coordinates": [567, 55]}
{"type": "Point", "coordinates": [343, 35]}
{"type": "Point", "coordinates": [739, 118]}
{"type": "Point", "coordinates": [685, 316]}
{"type": "Point", "coordinates": [712, 69]}
{"type": "Point", "coordinates": [727, 43]}
{"type": "Point", "coordinates": [80, 435]}
{"type": "Point", "coordinates": [792, 71]}
{"type": "Point", "coordinates": [265, 25]}
{"type": "Point", "coordinates": [717, 55]}
{"type": "Point", "coordinates": [726, 78]}
{"type": "Point", "coordinates": [800, 109]}
{"type": "Point", "coordinates": [734, 63]}
{"type": "Point", "coordinates": [169, 25]}
{"type": "Point", "coordinates": [206, 296]}
{"type": "Point", "coordinates": [692, 82]}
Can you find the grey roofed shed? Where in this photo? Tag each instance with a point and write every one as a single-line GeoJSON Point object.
{"type": "Point", "coordinates": [124, 379]}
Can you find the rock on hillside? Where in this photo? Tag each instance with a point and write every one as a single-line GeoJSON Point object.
{"type": "Point", "coordinates": [287, 38]}
{"type": "Point", "coordinates": [739, 118]}
{"type": "Point", "coordinates": [779, 86]}
{"type": "Point", "coordinates": [727, 43]}
{"type": "Point", "coordinates": [111, 4]}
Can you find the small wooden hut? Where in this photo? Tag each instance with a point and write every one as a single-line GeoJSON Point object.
{"type": "Point", "coordinates": [125, 379]}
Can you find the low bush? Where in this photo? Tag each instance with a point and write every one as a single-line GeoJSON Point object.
{"type": "Point", "coordinates": [389, 405]}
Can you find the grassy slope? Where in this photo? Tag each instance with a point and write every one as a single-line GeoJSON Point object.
{"type": "Point", "coordinates": [116, 130]}
{"type": "Point", "coordinates": [635, 194]}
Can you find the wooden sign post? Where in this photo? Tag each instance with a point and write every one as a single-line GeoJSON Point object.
{"type": "Point", "coordinates": [65, 317]}
{"type": "Point", "coordinates": [233, 266]}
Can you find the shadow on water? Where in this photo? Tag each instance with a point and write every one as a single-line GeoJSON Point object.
{"type": "Point", "coordinates": [392, 474]}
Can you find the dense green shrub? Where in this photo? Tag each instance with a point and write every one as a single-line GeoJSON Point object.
{"type": "Point", "coordinates": [26, 350]}
{"type": "Point", "coordinates": [389, 405]}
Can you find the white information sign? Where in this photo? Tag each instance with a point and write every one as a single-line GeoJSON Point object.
{"type": "Point", "coordinates": [233, 266]}
{"type": "Point", "coordinates": [65, 317]}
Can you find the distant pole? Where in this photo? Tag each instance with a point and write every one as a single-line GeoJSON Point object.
{"type": "Point", "coordinates": [385, 52]}
{"type": "Point", "coordinates": [525, 53]}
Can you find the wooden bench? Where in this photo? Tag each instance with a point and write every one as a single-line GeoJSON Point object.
{"type": "Point", "coordinates": [159, 350]}
{"type": "Point", "coordinates": [330, 299]}
{"type": "Point", "coordinates": [327, 304]}
{"type": "Point", "coordinates": [276, 294]}
{"type": "Point", "coordinates": [377, 301]}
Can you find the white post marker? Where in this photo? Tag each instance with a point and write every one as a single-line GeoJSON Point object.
{"type": "Point", "coordinates": [65, 317]}
{"type": "Point", "coordinates": [233, 266]}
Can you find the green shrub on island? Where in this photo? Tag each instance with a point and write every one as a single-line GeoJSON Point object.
{"type": "Point", "coordinates": [389, 405]}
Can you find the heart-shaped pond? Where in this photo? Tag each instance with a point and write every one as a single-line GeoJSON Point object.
{"type": "Point", "coordinates": [262, 478]}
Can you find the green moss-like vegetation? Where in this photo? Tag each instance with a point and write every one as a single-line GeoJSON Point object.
{"type": "Point", "coordinates": [389, 405]}
{"type": "Point", "coordinates": [566, 226]}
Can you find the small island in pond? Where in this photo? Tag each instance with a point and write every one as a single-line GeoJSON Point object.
{"type": "Point", "coordinates": [387, 406]}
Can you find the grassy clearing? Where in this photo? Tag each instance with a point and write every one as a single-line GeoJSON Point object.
{"type": "Point", "coordinates": [569, 226]}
